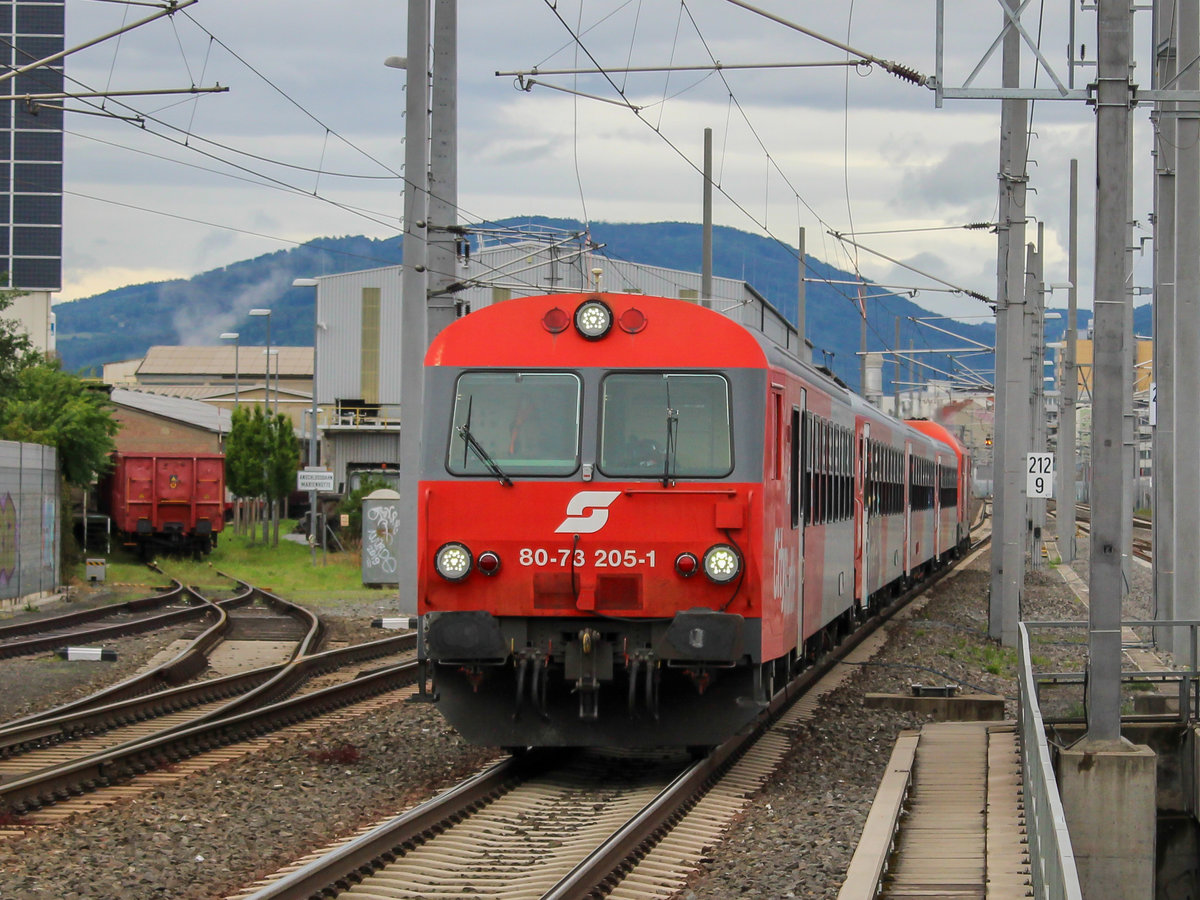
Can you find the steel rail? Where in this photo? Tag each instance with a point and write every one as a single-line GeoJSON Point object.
{"type": "Point", "coordinates": [104, 632]}
{"type": "Point", "coordinates": [189, 662]}
{"type": "Point", "coordinates": [136, 757]}
{"type": "Point", "coordinates": [83, 616]}
{"type": "Point", "coordinates": [39, 732]}
{"type": "Point", "coordinates": [353, 860]}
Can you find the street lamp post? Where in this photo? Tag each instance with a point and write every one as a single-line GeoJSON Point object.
{"type": "Point", "coordinates": [267, 394]}
{"type": "Point", "coordinates": [267, 385]}
{"type": "Point", "coordinates": [233, 336]}
{"type": "Point", "coordinates": [237, 393]}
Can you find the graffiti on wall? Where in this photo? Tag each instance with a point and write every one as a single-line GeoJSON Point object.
{"type": "Point", "coordinates": [49, 529]}
{"type": "Point", "coordinates": [9, 538]}
{"type": "Point", "coordinates": [382, 524]}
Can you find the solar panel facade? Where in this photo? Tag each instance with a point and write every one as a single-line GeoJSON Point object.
{"type": "Point", "coordinates": [31, 147]}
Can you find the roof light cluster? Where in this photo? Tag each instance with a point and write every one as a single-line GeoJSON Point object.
{"type": "Point", "coordinates": [594, 320]}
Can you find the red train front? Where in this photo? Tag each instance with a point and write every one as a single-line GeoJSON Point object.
{"type": "Point", "coordinates": [611, 520]}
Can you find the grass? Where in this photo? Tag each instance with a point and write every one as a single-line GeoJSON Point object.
{"type": "Point", "coordinates": [990, 658]}
{"type": "Point", "coordinates": [286, 569]}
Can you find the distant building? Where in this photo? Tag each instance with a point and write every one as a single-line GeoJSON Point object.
{"type": "Point", "coordinates": [223, 376]}
{"type": "Point", "coordinates": [153, 422]}
{"type": "Point", "coordinates": [31, 154]}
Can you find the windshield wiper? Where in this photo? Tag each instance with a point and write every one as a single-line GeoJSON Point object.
{"type": "Point", "coordinates": [484, 457]}
{"type": "Point", "coordinates": [672, 438]}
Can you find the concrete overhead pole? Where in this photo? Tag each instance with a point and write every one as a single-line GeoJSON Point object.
{"type": "Point", "coordinates": [1187, 323]}
{"type": "Point", "coordinates": [1164, 534]}
{"type": "Point", "coordinates": [1012, 379]}
{"type": "Point", "coordinates": [414, 293]}
{"type": "Point", "coordinates": [896, 370]}
{"type": "Point", "coordinates": [442, 234]}
{"type": "Point", "coordinates": [706, 235]}
{"type": "Point", "coordinates": [1036, 306]}
{"type": "Point", "coordinates": [1069, 388]}
{"type": "Point", "coordinates": [802, 302]}
{"type": "Point", "coordinates": [1112, 374]}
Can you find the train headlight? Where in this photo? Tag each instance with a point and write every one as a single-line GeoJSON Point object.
{"type": "Point", "coordinates": [593, 319]}
{"type": "Point", "coordinates": [453, 561]}
{"type": "Point", "coordinates": [722, 563]}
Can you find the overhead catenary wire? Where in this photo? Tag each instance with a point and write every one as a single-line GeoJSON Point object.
{"type": "Point", "coordinates": [626, 101]}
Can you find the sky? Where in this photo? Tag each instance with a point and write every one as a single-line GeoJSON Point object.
{"type": "Point", "coordinates": [308, 140]}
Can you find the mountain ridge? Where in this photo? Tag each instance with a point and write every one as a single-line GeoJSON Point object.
{"type": "Point", "coordinates": [124, 322]}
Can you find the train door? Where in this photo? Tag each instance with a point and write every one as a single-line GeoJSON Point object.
{"type": "Point", "coordinates": [864, 529]}
{"type": "Point", "coordinates": [906, 483]}
{"type": "Point", "coordinates": [796, 492]}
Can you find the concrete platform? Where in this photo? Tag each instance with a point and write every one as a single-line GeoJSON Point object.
{"type": "Point", "coordinates": [948, 820]}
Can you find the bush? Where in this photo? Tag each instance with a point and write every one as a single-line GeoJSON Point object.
{"type": "Point", "coordinates": [351, 504]}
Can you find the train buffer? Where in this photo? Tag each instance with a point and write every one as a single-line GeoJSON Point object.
{"type": "Point", "coordinates": [948, 818]}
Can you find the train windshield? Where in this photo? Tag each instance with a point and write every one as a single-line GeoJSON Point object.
{"type": "Point", "coordinates": [664, 425]}
{"type": "Point", "coordinates": [515, 423]}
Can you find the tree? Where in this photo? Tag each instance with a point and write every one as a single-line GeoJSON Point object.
{"type": "Point", "coordinates": [46, 405]}
{"type": "Point", "coordinates": [351, 504]}
{"type": "Point", "coordinates": [16, 349]}
{"type": "Point", "coordinates": [245, 455]}
{"type": "Point", "coordinates": [283, 459]}
{"type": "Point", "coordinates": [261, 458]}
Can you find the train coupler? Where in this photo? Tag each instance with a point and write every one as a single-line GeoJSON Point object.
{"type": "Point", "coordinates": [533, 667]}
{"type": "Point", "coordinates": [639, 663]}
{"type": "Point", "coordinates": [588, 662]}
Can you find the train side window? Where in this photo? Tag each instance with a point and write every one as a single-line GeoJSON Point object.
{"type": "Point", "coordinates": [797, 455]}
{"type": "Point", "coordinates": [810, 504]}
{"type": "Point", "coordinates": [777, 434]}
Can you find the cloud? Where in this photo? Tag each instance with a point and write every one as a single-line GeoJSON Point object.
{"type": "Point", "coordinates": [951, 185]}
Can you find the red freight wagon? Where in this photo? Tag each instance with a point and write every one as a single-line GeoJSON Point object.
{"type": "Point", "coordinates": [168, 501]}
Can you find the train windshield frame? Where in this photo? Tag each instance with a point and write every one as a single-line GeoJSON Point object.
{"type": "Point", "coordinates": [524, 423]}
{"type": "Point", "coordinates": [666, 425]}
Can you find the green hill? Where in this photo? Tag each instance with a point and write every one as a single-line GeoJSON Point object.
{"type": "Point", "coordinates": [122, 323]}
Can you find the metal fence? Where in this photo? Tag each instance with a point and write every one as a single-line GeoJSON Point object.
{"type": "Point", "coordinates": [29, 520]}
{"type": "Point", "coordinates": [1051, 859]}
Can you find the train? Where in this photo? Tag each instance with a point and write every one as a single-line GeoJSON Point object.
{"type": "Point", "coordinates": [638, 518]}
{"type": "Point", "coordinates": [166, 501]}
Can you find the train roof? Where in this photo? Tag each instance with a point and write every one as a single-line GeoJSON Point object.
{"type": "Point", "coordinates": [512, 334]}
{"type": "Point", "coordinates": [939, 433]}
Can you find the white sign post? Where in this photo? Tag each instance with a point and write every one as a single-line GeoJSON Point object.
{"type": "Point", "coordinates": [314, 480]}
{"type": "Point", "coordinates": [1039, 475]}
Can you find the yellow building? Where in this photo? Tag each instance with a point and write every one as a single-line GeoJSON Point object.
{"type": "Point", "coordinates": [1085, 354]}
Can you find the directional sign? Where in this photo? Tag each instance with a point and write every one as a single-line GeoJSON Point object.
{"type": "Point", "coordinates": [1039, 474]}
{"type": "Point", "coordinates": [314, 480]}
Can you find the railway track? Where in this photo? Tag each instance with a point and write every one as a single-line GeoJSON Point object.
{"type": "Point", "coordinates": [174, 606]}
{"type": "Point", "coordinates": [535, 825]}
{"type": "Point", "coordinates": [1143, 548]}
{"type": "Point", "coordinates": [72, 750]}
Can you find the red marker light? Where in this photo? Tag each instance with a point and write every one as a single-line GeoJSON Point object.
{"type": "Point", "coordinates": [488, 562]}
{"type": "Point", "coordinates": [556, 321]}
{"type": "Point", "coordinates": [686, 564]}
{"type": "Point", "coordinates": [632, 320]}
